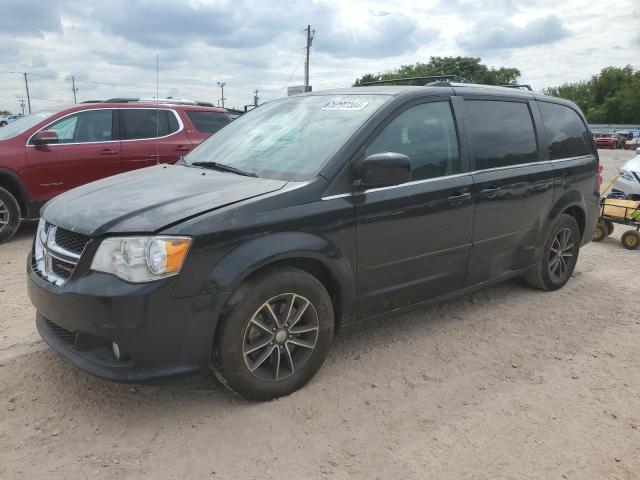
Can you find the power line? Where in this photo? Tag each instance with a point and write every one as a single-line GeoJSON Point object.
{"type": "Point", "coordinates": [290, 77]}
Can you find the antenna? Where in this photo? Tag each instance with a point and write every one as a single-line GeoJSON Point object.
{"type": "Point", "coordinates": [157, 108]}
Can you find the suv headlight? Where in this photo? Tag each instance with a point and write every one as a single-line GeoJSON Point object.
{"type": "Point", "coordinates": [141, 259]}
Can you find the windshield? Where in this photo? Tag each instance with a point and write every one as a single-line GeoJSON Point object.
{"type": "Point", "coordinates": [289, 139]}
{"type": "Point", "coordinates": [23, 124]}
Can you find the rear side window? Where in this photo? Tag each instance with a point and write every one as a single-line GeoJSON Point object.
{"type": "Point", "coordinates": [426, 134]}
{"type": "Point", "coordinates": [84, 127]}
{"type": "Point", "coordinates": [208, 122]}
{"type": "Point", "coordinates": [137, 124]}
{"type": "Point", "coordinates": [566, 133]}
{"type": "Point", "coordinates": [501, 133]}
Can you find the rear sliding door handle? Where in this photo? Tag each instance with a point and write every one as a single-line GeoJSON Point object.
{"type": "Point", "coordinates": [459, 196]}
{"type": "Point", "coordinates": [490, 191]}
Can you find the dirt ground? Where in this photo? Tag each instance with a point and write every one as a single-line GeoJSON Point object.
{"type": "Point", "coordinates": [508, 383]}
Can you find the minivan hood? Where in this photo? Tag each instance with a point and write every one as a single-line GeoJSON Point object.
{"type": "Point", "coordinates": [149, 199]}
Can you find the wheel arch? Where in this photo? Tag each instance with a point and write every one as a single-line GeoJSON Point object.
{"type": "Point", "coordinates": [12, 183]}
{"type": "Point", "coordinates": [572, 203]}
{"type": "Point", "coordinates": [311, 253]}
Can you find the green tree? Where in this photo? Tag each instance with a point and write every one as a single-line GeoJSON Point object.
{"type": "Point", "coordinates": [611, 96]}
{"type": "Point", "coordinates": [468, 69]}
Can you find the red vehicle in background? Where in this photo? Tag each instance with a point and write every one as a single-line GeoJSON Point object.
{"type": "Point", "coordinates": [632, 144]}
{"type": "Point", "coordinates": [49, 152]}
{"type": "Point", "coordinates": [609, 140]}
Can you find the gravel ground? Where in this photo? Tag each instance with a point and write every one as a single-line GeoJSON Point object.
{"type": "Point", "coordinates": [508, 383]}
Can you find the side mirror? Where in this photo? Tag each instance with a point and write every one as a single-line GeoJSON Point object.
{"type": "Point", "coordinates": [44, 137]}
{"type": "Point", "coordinates": [384, 170]}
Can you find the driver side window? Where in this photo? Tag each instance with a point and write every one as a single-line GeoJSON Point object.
{"type": "Point", "coordinates": [83, 127]}
{"type": "Point", "coordinates": [426, 133]}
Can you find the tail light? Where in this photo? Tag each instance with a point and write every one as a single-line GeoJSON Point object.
{"type": "Point", "coordinates": [599, 176]}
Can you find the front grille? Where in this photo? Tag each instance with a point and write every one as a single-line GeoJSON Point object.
{"type": "Point", "coordinates": [72, 241]}
{"type": "Point", "coordinates": [61, 268]}
{"type": "Point", "coordinates": [67, 337]}
{"type": "Point", "coordinates": [57, 252]}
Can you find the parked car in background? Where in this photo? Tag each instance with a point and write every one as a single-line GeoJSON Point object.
{"type": "Point", "coordinates": [609, 140]}
{"type": "Point", "coordinates": [306, 214]}
{"type": "Point", "coordinates": [49, 152]}
{"type": "Point", "coordinates": [632, 144]}
{"type": "Point", "coordinates": [629, 181]}
{"type": "Point", "coordinates": [7, 119]}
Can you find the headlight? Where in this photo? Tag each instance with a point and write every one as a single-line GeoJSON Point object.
{"type": "Point", "coordinates": [141, 259]}
{"type": "Point", "coordinates": [626, 174]}
{"type": "Point", "coordinates": [41, 239]}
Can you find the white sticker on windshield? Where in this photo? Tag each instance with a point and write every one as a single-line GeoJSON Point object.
{"type": "Point", "coordinates": [345, 105]}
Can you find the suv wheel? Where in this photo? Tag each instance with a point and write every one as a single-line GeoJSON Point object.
{"type": "Point", "coordinates": [9, 215]}
{"type": "Point", "coordinates": [559, 256]}
{"type": "Point", "coordinates": [274, 334]}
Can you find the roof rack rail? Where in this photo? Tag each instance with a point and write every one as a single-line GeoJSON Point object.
{"type": "Point", "coordinates": [162, 101]}
{"type": "Point", "coordinates": [519, 87]}
{"type": "Point", "coordinates": [433, 80]}
{"type": "Point", "coordinates": [121, 100]}
{"type": "Point", "coordinates": [92, 101]}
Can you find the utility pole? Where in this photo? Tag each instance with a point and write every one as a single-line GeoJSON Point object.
{"type": "Point", "coordinates": [26, 85]}
{"type": "Point", "coordinates": [221, 85]}
{"type": "Point", "coordinates": [310, 35]}
{"type": "Point", "coordinates": [74, 89]}
{"type": "Point", "coordinates": [22, 104]}
{"type": "Point", "coordinates": [255, 98]}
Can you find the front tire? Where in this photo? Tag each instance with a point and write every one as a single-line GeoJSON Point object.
{"type": "Point", "coordinates": [559, 256]}
{"type": "Point", "coordinates": [9, 215]}
{"type": "Point", "coordinates": [274, 334]}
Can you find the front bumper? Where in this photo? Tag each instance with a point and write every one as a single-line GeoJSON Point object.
{"type": "Point", "coordinates": [163, 336]}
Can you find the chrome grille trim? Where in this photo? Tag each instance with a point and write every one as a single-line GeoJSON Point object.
{"type": "Point", "coordinates": [53, 253]}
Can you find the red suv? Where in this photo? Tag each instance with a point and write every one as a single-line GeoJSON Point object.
{"type": "Point", "coordinates": [49, 152]}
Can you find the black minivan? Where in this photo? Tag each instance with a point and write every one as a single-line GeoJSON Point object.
{"type": "Point", "coordinates": [307, 214]}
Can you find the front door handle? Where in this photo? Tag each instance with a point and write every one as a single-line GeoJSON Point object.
{"type": "Point", "coordinates": [459, 196]}
{"type": "Point", "coordinates": [182, 148]}
{"type": "Point", "coordinates": [108, 151]}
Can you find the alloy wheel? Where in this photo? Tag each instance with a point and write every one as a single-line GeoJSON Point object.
{"type": "Point", "coordinates": [4, 215]}
{"type": "Point", "coordinates": [280, 337]}
{"type": "Point", "coordinates": [560, 254]}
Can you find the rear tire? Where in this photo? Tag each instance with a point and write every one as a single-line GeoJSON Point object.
{"type": "Point", "coordinates": [559, 255]}
{"type": "Point", "coordinates": [9, 215]}
{"type": "Point", "coordinates": [631, 240]}
{"type": "Point", "coordinates": [274, 334]}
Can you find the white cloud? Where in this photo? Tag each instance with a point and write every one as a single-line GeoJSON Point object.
{"type": "Point", "coordinates": [252, 44]}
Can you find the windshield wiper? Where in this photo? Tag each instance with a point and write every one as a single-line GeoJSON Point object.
{"type": "Point", "coordinates": [223, 168]}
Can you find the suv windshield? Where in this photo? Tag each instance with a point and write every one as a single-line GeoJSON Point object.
{"type": "Point", "coordinates": [289, 139]}
{"type": "Point", "coordinates": [23, 124]}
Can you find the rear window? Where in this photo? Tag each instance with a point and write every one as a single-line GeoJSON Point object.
{"type": "Point", "coordinates": [567, 134]}
{"type": "Point", "coordinates": [136, 124]}
{"type": "Point", "coordinates": [502, 133]}
{"type": "Point", "coordinates": [208, 122]}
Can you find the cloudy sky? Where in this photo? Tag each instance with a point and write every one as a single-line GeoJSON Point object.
{"type": "Point", "coordinates": [110, 46]}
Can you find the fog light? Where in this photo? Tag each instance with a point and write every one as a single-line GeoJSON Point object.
{"type": "Point", "coordinates": [117, 352]}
